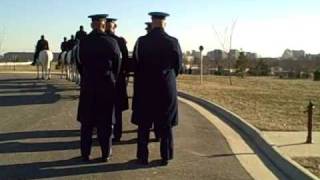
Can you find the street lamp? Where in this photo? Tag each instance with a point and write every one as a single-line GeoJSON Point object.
{"type": "Point", "coordinates": [201, 64]}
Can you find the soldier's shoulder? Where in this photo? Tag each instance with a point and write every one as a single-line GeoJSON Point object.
{"type": "Point", "coordinates": [87, 38]}
{"type": "Point", "coordinates": [123, 40]}
{"type": "Point", "coordinates": [143, 38]}
{"type": "Point", "coordinates": [110, 40]}
{"type": "Point", "coordinates": [172, 38]}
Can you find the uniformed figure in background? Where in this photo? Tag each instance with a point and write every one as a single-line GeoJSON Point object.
{"type": "Point", "coordinates": [155, 129]}
{"type": "Point", "coordinates": [122, 103]}
{"type": "Point", "coordinates": [149, 27]}
{"type": "Point", "coordinates": [81, 34]}
{"type": "Point", "coordinates": [159, 59]}
{"type": "Point", "coordinates": [100, 62]}
{"type": "Point", "coordinates": [42, 44]}
{"type": "Point", "coordinates": [71, 43]}
{"type": "Point", "coordinates": [63, 47]}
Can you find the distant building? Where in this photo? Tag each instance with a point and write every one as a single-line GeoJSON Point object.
{"type": "Point", "coordinates": [188, 59]}
{"type": "Point", "coordinates": [276, 70]}
{"type": "Point", "coordinates": [217, 55]}
{"type": "Point", "coordinates": [250, 55]}
{"type": "Point", "coordinates": [293, 54]}
{"type": "Point", "coordinates": [22, 56]}
{"type": "Point", "coordinates": [312, 56]}
{"type": "Point", "coordinates": [195, 54]}
{"type": "Point", "coordinates": [234, 54]}
{"type": "Point", "coordinates": [12, 56]}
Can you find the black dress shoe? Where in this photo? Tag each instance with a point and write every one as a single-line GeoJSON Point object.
{"type": "Point", "coordinates": [142, 161]}
{"type": "Point", "coordinates": [85, 158]}
{"type": "Point", "coordinates": [164, 162]}
{"type": "Point", "coordinates": [105, 159]}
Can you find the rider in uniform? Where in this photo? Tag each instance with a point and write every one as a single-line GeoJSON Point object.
{"type": "Point", "coordinates": [42, 44]}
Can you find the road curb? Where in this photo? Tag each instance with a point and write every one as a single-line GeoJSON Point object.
{"type": "Point", "coordinates": [287, 166]}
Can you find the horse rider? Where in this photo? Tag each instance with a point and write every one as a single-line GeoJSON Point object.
{"type": "Point", "coordinates": [63, 46]}
{"type": "Point", "coordinates": [71, 43]}
{"type": "Point", "coordinates": [42, 44]}
{"type": "Point", "coordinates": [99, 64]}
{"type": "Point", "coordinates": [122, 102]}
{"type": "Point", "coordinates": [159, 59]}
{"type": "Point", "coordinates": [81, 34]}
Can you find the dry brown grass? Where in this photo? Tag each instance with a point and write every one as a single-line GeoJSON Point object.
{"type": "Point", "coordinates": [311, 163]}
{"type": "Point", "coordinates": [268, 103]}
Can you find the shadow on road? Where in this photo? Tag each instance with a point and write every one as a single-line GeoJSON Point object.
{"type": "Point", "coordinates": [293, 144]}
{"type": "Point", "coordinates": [19, 147]}
{"type": "Point", "coordinates": [130, 131]}
{"type": "Point", "coordinates": [228, 155]}
{"type": "Point", "coordinates": [65, 168]}
{"type": "Point", "coordinates": [61, 168]}
{"type": "Point", "coordinates": [38, 134]}
{"type": "Point", "coordinates": [16, 80]}
{"type": "Point", "coordinates": [47, 93]}
{"type": "Point", "coordinates": [9, 142]}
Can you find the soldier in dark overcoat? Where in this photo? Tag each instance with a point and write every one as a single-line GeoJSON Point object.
{"type": "Point", "coordinates": [99, 61]}
{"type": "Point", "coordinates": [158, 57]}
{"type": "Point", "coordinates": [122, 103]}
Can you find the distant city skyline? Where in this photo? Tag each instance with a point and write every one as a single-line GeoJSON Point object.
{"type": "Point", "coordinates": [264, 27]}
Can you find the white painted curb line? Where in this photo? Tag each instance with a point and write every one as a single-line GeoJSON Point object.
{"type": "Point", "coordinates": [287, 166]}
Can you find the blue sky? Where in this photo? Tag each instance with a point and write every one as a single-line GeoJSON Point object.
{"type": "Point", "coordinates": [266, 27]}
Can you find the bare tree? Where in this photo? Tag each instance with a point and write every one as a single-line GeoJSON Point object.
{"type": "Point", "coordinates": [225, 41]}
{"type": "Point", "coordinates": [2, 38]}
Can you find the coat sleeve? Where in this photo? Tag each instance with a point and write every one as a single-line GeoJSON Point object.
{"type": "Point", "coordinates": [177, 54]}
{"type": "Point", "coordinates": [116, 59]}
{"type": "Point", "coordinates": [125, 54]}
{"type": "Point", "coordinates": [135, 59]}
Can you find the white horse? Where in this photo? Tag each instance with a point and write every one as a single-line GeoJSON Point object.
{"type": "Point", "coordinates": [63, 64]}
{"type": "Point", "coordinates": [44, 60]}
{"type": "Point", "coordinates": [72, 71]}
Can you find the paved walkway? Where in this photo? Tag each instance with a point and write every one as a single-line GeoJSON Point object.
{"type": "Point", "coordinates": [39, 138]}
{"type": "Point", "coordinates": [293, 144]}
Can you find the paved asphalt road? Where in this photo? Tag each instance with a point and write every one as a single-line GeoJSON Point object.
{"type": "Point", "coordinates": [39, 138]}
